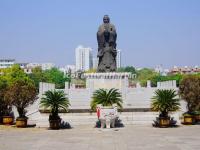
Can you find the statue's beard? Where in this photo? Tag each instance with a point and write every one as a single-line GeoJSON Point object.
{"type": "Point", "coordinates": [106, 28]}
{"type": "Point", "coordinates": [107, 36]}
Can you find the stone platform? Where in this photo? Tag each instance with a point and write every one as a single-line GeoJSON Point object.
{"type": "Point", "coordinates": [107, 80]}
{"type": "Point", "coordinates": [136, 100]}
{"type": "Point", "coordinates": [133, 97]}
{"type": "Point", "coordinates": [127, 118]}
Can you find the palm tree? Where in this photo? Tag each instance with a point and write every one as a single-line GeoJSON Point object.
{"type": "Point", "coordinates": [165, 101]}
{"type": "Point", "coordinates": [106, 98]}
{"type": "Point", "coordinates": [55, 100]}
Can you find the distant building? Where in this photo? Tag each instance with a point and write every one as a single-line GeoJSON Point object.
{"type": "Point", "coordinates": [95, 62]}
{"type": "Point", "coordinates": [159, 69]}
{"type": "Point", "coordinates": [44, 66]}
{"type": "Point", "coordinates": [33, 65]}
{"type": "Point", "coordinates": [47, 66]}
{"type": "Point", "coordinates": [22, 65]}
{"type": "Point", "coordinates": [71, 68]}
{"type": "Point", "coordinates": [184, 70]}
{"type": "Point", "coordinates": [68, 69]}
{"type": "Point", "coordinates": [118, 59]}
{"type": "Point", "coordinates": [27, 67]}
{"type": "Point", "coordinates": [6, 63]}
{"type": "Point", "coordinates": [165, 72]}
{"type": "Point", "coordinates": [83, 58]}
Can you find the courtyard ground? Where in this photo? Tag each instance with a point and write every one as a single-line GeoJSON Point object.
{"type": "Point", "coordinates": [131, 137]}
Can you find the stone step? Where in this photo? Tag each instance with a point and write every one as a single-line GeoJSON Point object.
{"type": "Point", "coordinates": [41, 120]}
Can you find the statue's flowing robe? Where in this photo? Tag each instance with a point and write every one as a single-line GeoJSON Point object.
{"type": "Point", "coordinates": [106, 37]}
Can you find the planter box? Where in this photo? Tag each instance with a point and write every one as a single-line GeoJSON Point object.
{"type": "Point", "coordinates": [197, 118]}
{"type": "Point", "coordinates": [21, 122]}
{"type": "Point", "coordinates": [1, 120]}
{"type": "Point", "coordinates": [164, 122]}
{"type": "Point", "coordinates": [8, 120]}
{"type": "Point", "coordinates": [188, 120]}
{"type": "Point", "coordinates": [55, 124]}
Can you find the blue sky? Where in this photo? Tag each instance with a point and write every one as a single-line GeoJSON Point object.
{"type": "Point", "coordinates": [150, 32]}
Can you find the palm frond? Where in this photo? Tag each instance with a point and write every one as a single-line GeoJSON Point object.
{"type": "Point", "coordinates": [54, 100]}
{"type": "Point", "coordinates": [165, 101]}
{"type": "Point", "coordinates": [106, 98]}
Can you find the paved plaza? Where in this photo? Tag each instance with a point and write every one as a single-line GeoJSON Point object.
{"type": "Point", "coordinates": [131, 137]}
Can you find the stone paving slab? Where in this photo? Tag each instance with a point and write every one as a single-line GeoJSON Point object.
{"type": "Point", "coordinates": [85, 137]}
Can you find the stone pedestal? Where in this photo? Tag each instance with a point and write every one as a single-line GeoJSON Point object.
{"type": "Point", "coordinates": [107, 80]}
{"type": "Point", "coordinates": [95, 81]}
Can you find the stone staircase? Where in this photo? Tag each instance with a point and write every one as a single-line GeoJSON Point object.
{"type": "Point", "coordinates": [135, 118]}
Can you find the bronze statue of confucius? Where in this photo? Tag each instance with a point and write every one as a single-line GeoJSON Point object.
{"type": "Point", "coordinates": [106, 37]}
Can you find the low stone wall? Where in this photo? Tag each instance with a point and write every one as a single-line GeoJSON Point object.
{"type": "Point", "coordinates": [141, 118]}
{"type": "Point", "coordinates": [136, 107]}
{"type": "Point", "coordinates": [91, 111]}
{"type": "Point", "coordinates": [139, 97]}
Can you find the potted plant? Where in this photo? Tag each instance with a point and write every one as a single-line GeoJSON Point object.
{"type": "Point", "coordinates": [165, 101]}
{"type": "Point", "coordinates": [188, 118]}
{"type": "Point", "coordinates": [189, 90]}
{"type": "Point", "coordinates": [54, 100]}
{"type": "Point", "coordinates": [2, 103]}
{"type": "Point", "coordinates": [21, 93]}
{"type": "Point", "coordinates": [106, 98]}
{"type": "Point", "coordinates": [6, 115]}
{"type": "Point", "coordinates": [197, 116]}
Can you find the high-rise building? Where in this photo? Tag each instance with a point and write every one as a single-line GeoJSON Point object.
{"type": "Point", "coordinates": [95, 62]}
{"type": "Point", "coordinates": [83, 58]}
{"type": "Point", "coordinates": [118, 60]}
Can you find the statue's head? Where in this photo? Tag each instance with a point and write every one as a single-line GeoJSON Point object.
{"type": "Point", "coordinates": [106, 19]}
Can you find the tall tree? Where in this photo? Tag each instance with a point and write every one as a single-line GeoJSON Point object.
{"type": "Point", "coordinates": [189, 90]}
{"type": "Point", "coordinates": [3, 104]}
{"type": "Point", "coordinates": [38, 76]}
{"type": "Point", "coordinates": [13, 74]}
{"type": "Point", "coordinates": [20, 90]}
{"type": "Point", "coordinates": [159, 78]}
{"type": "Point", "coordinates": [127, 69]}
{"type": "Point", "coordinates": [145, 74]}
{"type": "Point", "coordinates": [56, 76]}
{"type": "Point", "coordinates": [21, 94]}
